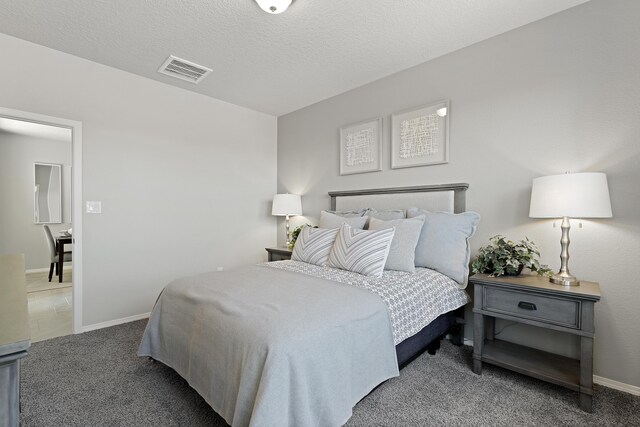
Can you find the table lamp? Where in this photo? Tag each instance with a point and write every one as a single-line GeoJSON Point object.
{"type": "Point", "coordinates": [570, 195]}
{"type": "Point", "coordinates": [286, 205]}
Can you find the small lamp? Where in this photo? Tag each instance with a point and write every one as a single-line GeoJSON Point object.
{"type": "Point", "coordinates": [286, 205]}
{"type": "Point", "coordinates": [570, 195]}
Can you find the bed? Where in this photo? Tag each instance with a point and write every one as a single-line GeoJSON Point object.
{"type": "Point", "coordinates": [445, 198]}
{"type": "Point", "coordinates": [293, 343]}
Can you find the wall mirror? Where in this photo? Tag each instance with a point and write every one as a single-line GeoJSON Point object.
{"type": "Point", "coordinates": [47, 193]}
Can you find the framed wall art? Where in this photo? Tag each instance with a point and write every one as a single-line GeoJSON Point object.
{"type": "Point", "coordinates": [420, 136]}
{"type": "Point", "coordinates": [361, 147]}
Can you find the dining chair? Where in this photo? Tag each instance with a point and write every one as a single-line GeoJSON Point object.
{"type": "Point", "coordinates": [53, 252]}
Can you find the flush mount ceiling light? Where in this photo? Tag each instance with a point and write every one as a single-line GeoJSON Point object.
{"type": "Point", "coordinates": [274, 6]}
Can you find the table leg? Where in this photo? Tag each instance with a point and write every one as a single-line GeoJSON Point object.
{"type": "Point", "coordinates": [478, 342]}
{"type": "Point", "coordinates": [60, 259]}
{"type": "Point", "coordinates": [586, 373]}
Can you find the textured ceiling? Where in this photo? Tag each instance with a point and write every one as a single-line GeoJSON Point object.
{"type": "Point", "coordinates": [271, 63]}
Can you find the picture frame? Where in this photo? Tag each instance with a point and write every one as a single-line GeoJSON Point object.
{"type": "Point", "coordinates": [420, 136]}
{"type": "Point", "coordinates": [361, 147]}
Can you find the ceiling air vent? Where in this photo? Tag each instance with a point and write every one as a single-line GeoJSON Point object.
{"type": "Point", "coordinates": [184, 70]}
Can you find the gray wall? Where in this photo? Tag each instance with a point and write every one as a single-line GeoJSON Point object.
{"type": "Point", "coordinates": [560, 94]}
{"type": "Point", "coordinates": [185, 180]}
{"type": "Point", "coordinates": [18, 233]}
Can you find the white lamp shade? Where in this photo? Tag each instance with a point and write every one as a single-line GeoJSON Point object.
{"type": "Point", "coordinates": [286, 204]}
{"type": "Point", "coordinates": [274, 6]}
{"type": "Point", "coordinates": [574, 195]}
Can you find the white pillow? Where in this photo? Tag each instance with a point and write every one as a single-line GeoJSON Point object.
{"type": "Point", "coordinates": [403, 246]}
{"type": "Point", "coordinates": [313, 245]}
{"type": "Point", "coordinates": [329, 220]}
{"type": "Point", "coordinates": [359, 212]}
{"type": "Point", "coordinates": [387, 215]}
{"type": "Point", "coordinates": [361, 251]}
{"type": "Point", "coordinates": [444, 242]}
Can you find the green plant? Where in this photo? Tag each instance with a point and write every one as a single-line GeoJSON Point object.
{"type": "Point", "coordinates": [505, 257]}
{"type": "Point", "coordinates": [295, 233]}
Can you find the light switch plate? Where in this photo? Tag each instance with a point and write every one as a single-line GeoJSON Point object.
{"type": "Point", "coordinates": [94, 207]}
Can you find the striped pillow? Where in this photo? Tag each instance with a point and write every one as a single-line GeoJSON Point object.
{"type": "Point", "coordinates": [313, 245]}
{"type": "Point", "coordinates": [361, 251]}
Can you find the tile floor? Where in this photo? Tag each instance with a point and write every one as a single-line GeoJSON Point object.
{"type": "Point", "coordinates": [49, 309]}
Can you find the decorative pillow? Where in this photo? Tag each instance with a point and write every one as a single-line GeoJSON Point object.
{"type": "Point", "coordinates": [387, 215]}
{"type": "Point", "coordinates": [329, 220]}
{"type": "Point", "coordinates": [361, 251]}
{"type": "Point", "coordinates": [444, 242]}
{"type": "Point", "coordinates": [403, 246]}
{"type": "Point", "coordinates": [359, 212]}
{"type": "Point", "coordinates": [313, 245]}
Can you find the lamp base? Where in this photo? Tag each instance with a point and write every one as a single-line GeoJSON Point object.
{"type": "Point", "coordinates": [287, 231]}
{"type": "Point", "coordinates": [564, 279]}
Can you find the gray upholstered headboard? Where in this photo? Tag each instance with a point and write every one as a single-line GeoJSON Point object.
{"type": "Point", "coordinates": [442, 197]}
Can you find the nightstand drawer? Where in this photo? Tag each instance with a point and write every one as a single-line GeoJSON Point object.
{"type": "Point", "coordinates": [279, 257]}
{"type": "Point", "coordinates": [278, 254]}
{"type": "Point", "coordinates": [557, 311]}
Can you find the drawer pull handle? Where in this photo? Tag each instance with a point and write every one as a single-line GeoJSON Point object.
{"type": "Point", "coordinates": [527, 305]}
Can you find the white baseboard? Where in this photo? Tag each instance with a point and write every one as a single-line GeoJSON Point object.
{"type": "Point", "coordinates": [632, 389]}
{"type": "Point", "coordinates": [45, 270]}
{"type": "Point", "coordinates": [617, 385]}
{"type": "Point", "coordinates": [115, 322]}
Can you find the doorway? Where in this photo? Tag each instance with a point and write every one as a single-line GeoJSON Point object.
{"type": "Point", "coordinates": [55, 306]}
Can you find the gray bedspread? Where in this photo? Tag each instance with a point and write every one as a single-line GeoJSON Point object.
{"type": "Point", "coordinates": [267, 347]}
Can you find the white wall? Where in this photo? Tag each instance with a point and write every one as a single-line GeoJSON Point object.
{"type": "Point", "coordinates": [18, 233]}
{"type": "Point", "coordinates": [185, 180]}
{"type": "Point", "coordinates": [560, 94]}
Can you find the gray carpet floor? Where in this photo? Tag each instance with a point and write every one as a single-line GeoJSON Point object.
{"type": "Point", "coordinates": [96, 379]}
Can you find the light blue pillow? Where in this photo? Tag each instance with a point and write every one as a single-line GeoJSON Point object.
{"type": "Point", "coordinates": [403, 246]}
{"type": "Point", "coordinates": [330, 220]}
{"type": "Point", "coordinates": [444, 242]}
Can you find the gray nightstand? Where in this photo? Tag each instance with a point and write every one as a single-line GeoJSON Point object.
{"type": "Point", "coordinates": [535, 301]}
{"type": "Point", "coordinates": [278, 254]}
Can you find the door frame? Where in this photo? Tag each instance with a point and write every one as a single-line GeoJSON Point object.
{"type": "Point", "coordinates": [76, 202]}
